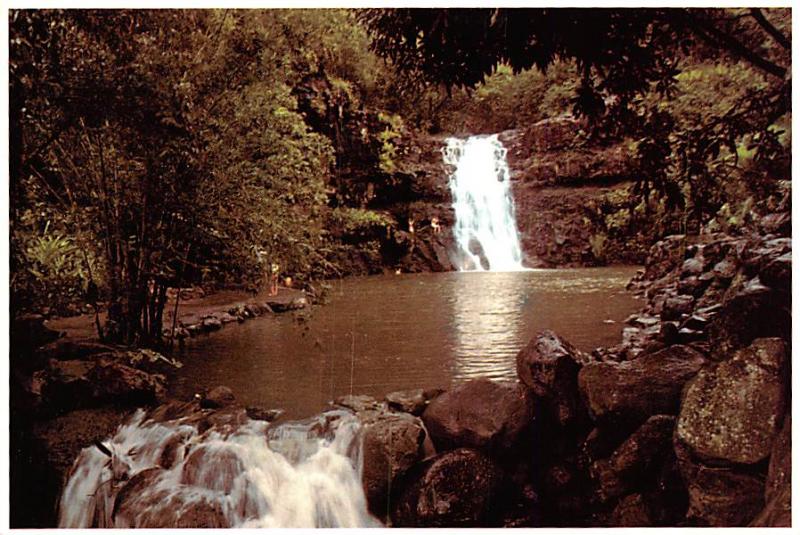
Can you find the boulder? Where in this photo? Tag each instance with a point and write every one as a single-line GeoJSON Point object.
{"type": "Point", "coordinates": [392, 443]}
{"type": "Point", "coordinates": [480, 414]}
{"type": "Point", "coordinates": [634, 460]}
{"type": "Point", "coordinates": [201, 514]}
{"type": "Point", "coordinates": [128, 499]}
{"type": "Point", "coordinates": [724, 270]}
{"type": "Point", "coordinates": [692, 267]}
{"type": "Point", "coordinates": [218, 397]}
{"type": "Point", "coordinates": [677, 306]}
{"type": "Point", "coordinates": [113, 381]}
{"type": "Point", "coordinates": [253, 310]}
{"type": "Point", "coordinates": [70, 384]}
{"type": "Point", "coordinates": [359, 403]}
{"type": "Point", "coordinates": [410, 401]}
{"type": "Point", "coordinates": [733, 410]}
{"type": "Point", "coordinates": [632, 511]}
{"type": "Point", "coordinates": [758, 255]}
{"type": "Point", "coordinates": [226, 317]}
{"type": "Point", "coordinates": [778, 511]}
{"type": "Point", "coordinates": [296, 303]}
{"type": "Point", "coordinates": [183, 508]}
{"type": "Point", "coordinates": [549, 366]}
{"type": "Point", "coordinates": [779, 474]}
{"type": "Point", "coordinates": [211, 323]}
{"type": "Point", "coordinates": [692, 286]}
{"type": "Point", "coordinates": [549, 134]}
{"type": "Point", "coordinates": [457, 488]}
{"type": "Point", "coordinates": [260, 413]}
{"type": "Point", "coordinates": [719, 496]}
{"type": "Point", "coordinates": [777, 223]}
{"type": "Point", "coordinates": [755, 312]}
{"type": "Point", "coordinates": [635, 390]}
{"type": "Point", "coordinates": [778, 490]}
{"type": "Point", "coordinates": [640, 320]}
{"type": "Point", "coordinates": [777, 274]}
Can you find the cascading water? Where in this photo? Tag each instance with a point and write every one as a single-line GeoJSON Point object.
{"type": "Point", "coordinates": [485, 228]}
{"type": "Point", "coordinates": [245, 474]}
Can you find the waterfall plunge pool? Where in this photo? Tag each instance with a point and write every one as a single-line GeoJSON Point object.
{"type": "Point", "coordinates": [385, 333]}
{"type": "Point", "coordinates": [375, 336]}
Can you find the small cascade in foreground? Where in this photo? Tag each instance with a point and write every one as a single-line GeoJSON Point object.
{"type": "Point", "coordinates": [485, 228]}
{"type": "Point", "coordinates": [246, 475]}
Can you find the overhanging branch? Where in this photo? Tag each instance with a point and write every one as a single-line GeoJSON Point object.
{"type": "Point", "coordinates": [771, 29]}
{"type": "Point", "coordinates": [715, 36]}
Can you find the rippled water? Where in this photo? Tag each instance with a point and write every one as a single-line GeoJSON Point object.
{"type": "Point", "coordinates": [385, 333]}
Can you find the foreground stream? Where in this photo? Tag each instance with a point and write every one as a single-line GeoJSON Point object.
{"type": "Point", "coordinates": [385, 333]}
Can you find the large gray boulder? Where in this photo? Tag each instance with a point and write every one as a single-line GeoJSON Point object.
{"type": "Point", "coordinates": [635, 390]}
{"type": "Point", "coordinates": [480, 414]}
{"type": "Point", "coordinates": [733, 410]}
{"type": "Point", "coordinates": [458, 488]}
{"type": "Point", "coordinates": [549, 366]}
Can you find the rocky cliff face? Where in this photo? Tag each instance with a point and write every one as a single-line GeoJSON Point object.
{"type": "Point", "coordinates": [561, 186]}
{"type": "Point", "coordinates": [560, 182]}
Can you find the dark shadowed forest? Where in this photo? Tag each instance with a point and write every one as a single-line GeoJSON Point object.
{"type": "Point", "coordinates": [174, 173]}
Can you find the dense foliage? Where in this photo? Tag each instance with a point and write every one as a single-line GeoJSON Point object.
{"type": "Point", "coordinates": [155, 149]}
{"type": "Point", "coordinates": [159, 148]}
{"type": "Point", "coordinates": [704, 95]}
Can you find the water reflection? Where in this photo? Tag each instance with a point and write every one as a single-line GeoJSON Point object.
{"type": "Point", "coordinates": [488, 321]}
{"type": "Point", "coordinates": [386, 333]}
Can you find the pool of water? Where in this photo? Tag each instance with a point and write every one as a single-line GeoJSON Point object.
{"type": "Point", "coordinates": [385, 333]}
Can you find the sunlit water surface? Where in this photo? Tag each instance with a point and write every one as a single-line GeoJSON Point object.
{"type": "Point", "coordinates": [385, 333]}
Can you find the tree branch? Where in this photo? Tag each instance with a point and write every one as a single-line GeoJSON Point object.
{"type": "Point", "coordinates": [717, 37]}
{"type": "Point", "coordinates": [770, 28]}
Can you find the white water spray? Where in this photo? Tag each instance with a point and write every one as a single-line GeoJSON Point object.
{"type": "Point", "coordinates": [485, 228]}
{"type": "Point", "coordinates": [168, 474]}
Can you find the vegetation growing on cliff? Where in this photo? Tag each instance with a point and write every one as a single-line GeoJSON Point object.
{"type": "Point", "coordinates": [694, 89]}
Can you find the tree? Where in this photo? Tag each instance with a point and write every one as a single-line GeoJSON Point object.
{"type": "Point", "coordinates": [172, 140]}
{"type": "Point", "coordinates": [621, 56]}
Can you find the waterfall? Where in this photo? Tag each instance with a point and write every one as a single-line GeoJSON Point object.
{"type": "Point", "coordinates": [246, 475]}
{"type": "Point", "coordinates": [485, 228]}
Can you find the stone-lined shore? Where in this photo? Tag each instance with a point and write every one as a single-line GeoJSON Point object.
{"type": "Point", "coordinates": [687, 422]}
